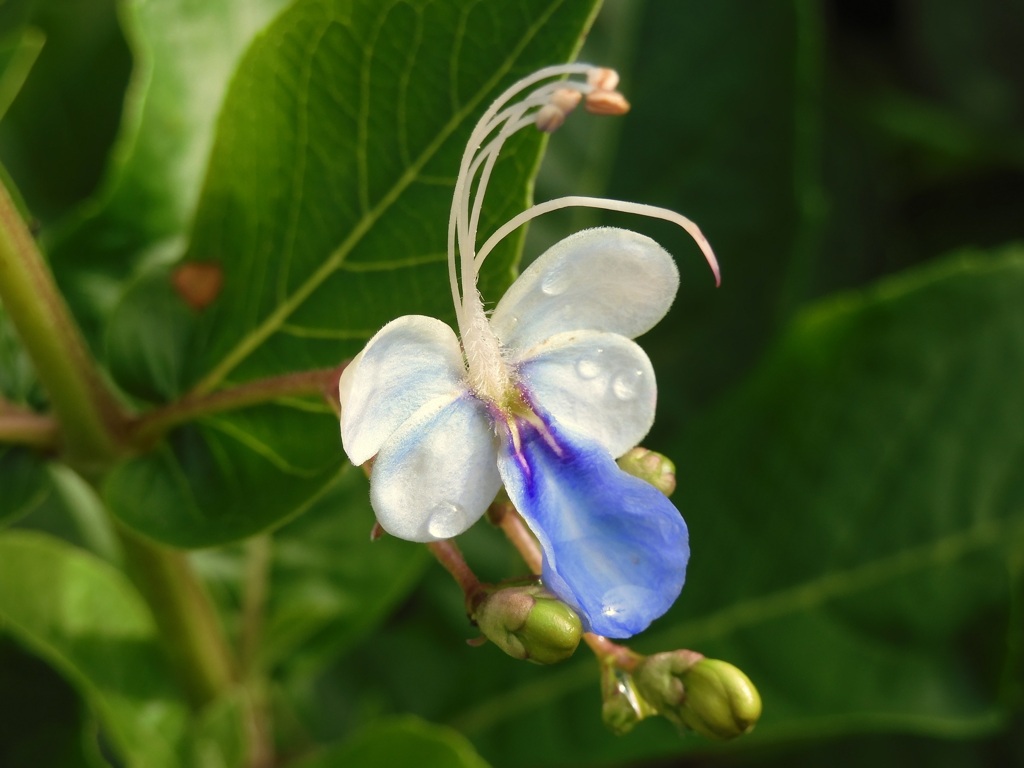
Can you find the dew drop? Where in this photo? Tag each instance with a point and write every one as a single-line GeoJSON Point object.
{"type": "Point", "coordinates": [590, 367]}
{"type": "Point", "coordinates": [555, 282]}
{"type": "Point", "coordinates": [447, 519]}
{"type": "Point", "coordinates": [625, 600]}
{"type": "Point", "coordinates": [625, 385]}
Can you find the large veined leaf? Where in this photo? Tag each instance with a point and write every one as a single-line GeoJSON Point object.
{"type": "Point", "coordinates": [327, 199]}
{"type": "Point", "coordinates": [87, 621]}
{"type": "Point", "coordinates": [325, 212]}
{"type": "Point", "coordinates": [56, 133]}
{"type": "Point", "coordinates": [330, 584]}
{"type": "Point", "coordinates": [184, 54]}
{"type": "Point", "coordinates": [856, 517]}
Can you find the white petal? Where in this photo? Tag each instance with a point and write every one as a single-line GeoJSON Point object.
{"type": "Point", "coordinates": [599, 279]}
{"type": "Point", "coordinates": [408, 362]}
{"type": "Point", "coordinates": [600, 385]}
{"type": "Point", "coordinates": [438, 473]}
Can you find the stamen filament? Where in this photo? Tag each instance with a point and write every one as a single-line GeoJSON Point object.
{"type": "Point", "coordinates": [579, 201]}
{"type": "Point", "coordinates": [462, 225]}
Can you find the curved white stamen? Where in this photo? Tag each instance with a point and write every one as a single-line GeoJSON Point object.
{"type": "Point", "coordinates": [513, 120]}
{"type": "Point", "coordinates": [580, 201]}
{"type": "Point", "coordinates": [488, 374]}
{"type": "Point", "coordinates": [459, 220]}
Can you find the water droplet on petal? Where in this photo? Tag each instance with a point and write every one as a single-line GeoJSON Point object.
{"type": "Point", "coordinates": [555, 282]}
{"type": "Point", "coordinates": [588, 368]}
{"type": "Point", "coordinates": [447, 519]}
{"type": "Point", "coordinates": [625, 600]}
{"type": "Point", "coordinates": [625, 385]}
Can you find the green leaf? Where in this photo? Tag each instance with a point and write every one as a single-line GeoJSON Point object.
{"type": "Point", "coordinates": [856, 516]}
{"type": "Point", "coordinates": [87, 620]}
{"type": "Point", "coordinates": [184, 55]}
{"type": "Point", "coordinates": [330, 583]}
{"type": "Point", "coordinates": [401, 741]}
{"type": "Point", "coordinates": [326, 208]}
{"type": "Point", "coordinates": [18, 52]}
{"type": "Point", "coordinates": [57, 132]}
{"type": "Point", "coordinates": [328, 194]}
{"type": "Point", "coordinates": [227, 477]}
{"type": "Point", "coordinates": [24, 480]}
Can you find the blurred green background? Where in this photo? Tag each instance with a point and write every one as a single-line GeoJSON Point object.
{"type": "Point", "coordinates": [846, 411]}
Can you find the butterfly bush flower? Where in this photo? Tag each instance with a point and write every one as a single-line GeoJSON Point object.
{"type": "Point", "coordinates": [540, 396]}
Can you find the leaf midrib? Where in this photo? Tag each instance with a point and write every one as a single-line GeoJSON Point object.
{"type": "Point", "coordinates": [254, 338]}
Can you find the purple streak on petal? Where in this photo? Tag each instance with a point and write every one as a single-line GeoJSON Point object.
{"type": "Point", "coordinates": [614, 547]}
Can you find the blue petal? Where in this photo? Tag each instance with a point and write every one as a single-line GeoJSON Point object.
{"type": "Point", "coordinates": [614, 547]}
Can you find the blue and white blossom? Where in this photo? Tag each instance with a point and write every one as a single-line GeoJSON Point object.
{"type": "Point", "coordinates": [541, 396]}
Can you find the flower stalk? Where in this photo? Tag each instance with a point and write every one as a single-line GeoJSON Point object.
{"type": "Point", "coordinates": [504, 515]}
{"type": "Point", "coordinates": [152, 425]}
{"type": "Point", "coordinates": [189, 627]}
{"type": "Point", "coordinates": [448, 555]}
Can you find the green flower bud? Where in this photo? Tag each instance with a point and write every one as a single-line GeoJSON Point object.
{"type": "Point", "coordinates": [622, 705]}
{"type": "Point", "coordinates": [656, 469]}
{"type": "Point", "coordinates": [528, 622]}
{"type": "Point", "coordinates": [709, 696]}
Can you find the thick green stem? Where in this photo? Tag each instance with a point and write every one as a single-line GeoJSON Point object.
{"type": "Point", "coordinates": [188, 624]}
{"type": "Point", "coordinates": [89, 416]}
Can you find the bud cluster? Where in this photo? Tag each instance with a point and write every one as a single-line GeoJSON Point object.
{"type": "Point", "coordinates": [708, 696]}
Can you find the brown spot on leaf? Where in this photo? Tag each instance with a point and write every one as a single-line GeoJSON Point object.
{"type": "Point", "coordinates": [198, 283]}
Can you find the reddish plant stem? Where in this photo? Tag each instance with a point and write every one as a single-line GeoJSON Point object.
{"type": "Point", "coordinates": [22, 427]}
{"type": "Point", "coordinates": [448, 555]}
{"type": "Point", "coordinates": [323, 381]}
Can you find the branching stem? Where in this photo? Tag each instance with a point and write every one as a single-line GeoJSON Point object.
{"type": "Point", "coordinates": [91, 419]}
{"type": "Point", "coordinates": [22, 427]}
{"type": "Point", "coordinates": [152, 425]}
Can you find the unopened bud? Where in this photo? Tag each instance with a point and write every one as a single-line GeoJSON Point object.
{"type": "Point", "coordinates": [656, 469]}
{"type": "Point", "coordinates": [528, 622]}
{"type": "Point", "coordinates": [622, 706]}
{"type": "Point", "coordinates": [711, 697]}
